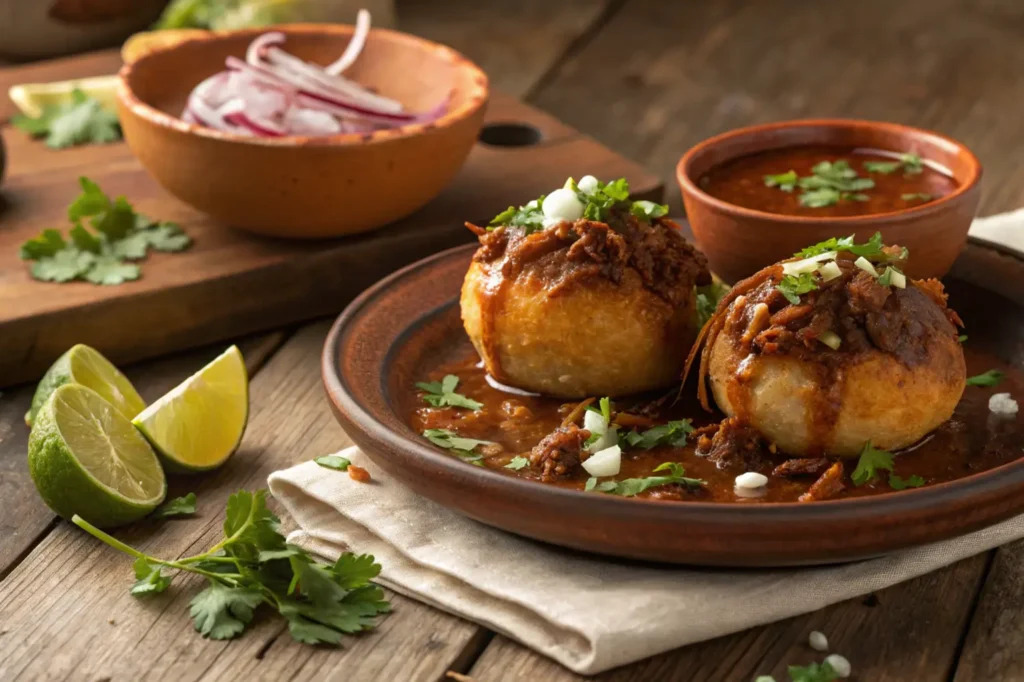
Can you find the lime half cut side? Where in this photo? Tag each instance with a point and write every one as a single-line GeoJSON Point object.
{"type": "Point", "coordinates": [33, 98]}
{"type": "Point", "coordinates": [86, 366]}
{"type": "Point", "coordinates": [199, 423]}
{"type": "Point", "coordinates": [86, 458]}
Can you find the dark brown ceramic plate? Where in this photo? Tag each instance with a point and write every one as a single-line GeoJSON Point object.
{"type": "Point", "coordinates": [410, 321]}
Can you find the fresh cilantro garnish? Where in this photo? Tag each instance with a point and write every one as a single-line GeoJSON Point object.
{"type": "Point", "coordinates": [885, 279]}
{"type": "Point", "coordinates": [784, 181]}
{"type": "Point", "coordinates": [897, 483]}
{"type": "Point", "coordinates": [819, 198]}
{"type": "Point", "coordinates": [672, 434]}
{"type": "Point", "coordinates": [179, 506]}
{"type": "Point", "coordinates": [518, 462]}
{"type": "Point", "coordinates": [252, 566]}
{"type": "Point", "coordinates": [442, 394]}
{"type": "Point", "coordinates": [871, 460]}
{"type": "Point", "coordinates": [993, 377]}
{"type": "Point", "coordinates": [916, 196]}
{"type": "Point", "coordinates": [78, 121]}
{"type": "Point", "coordinates": [336, 462]}
{"type": "Point", "coordinates": [634, 486]}
{"type": "Point", "coordinates": [883, 167]}
{"type": "Point", "coordinates": [871, 249]}
{"type": "Point", "coordinates": [118, 234]}
{"type": "Point", "coordinates": [823, 672]}
{"type": "Point", "coordinates": [707, 301]}
{"type": "Point", "coordinates": [648, 210]}
{"type": "Point", "coordinates": [792, 286]}
{"type": "Point", "coordinates": [962, 338]}
{"type": "Point", "coordinates": [912, 164]}
{"type": "Point", "coordinates": [530, 217]}
{"type": "Point", "coordinates": [461, 447]}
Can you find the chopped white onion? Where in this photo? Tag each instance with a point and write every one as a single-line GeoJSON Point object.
{"type": "Point", "coordinates": [830, 339]}
{"type": "Point", "coordinates": [751, 480]}
{"type": "Point", "coordinates": [799, 267]}
{"type": "Point", "coordinates": [818, 641]}
{"type": "Point", "coordinates": [587, 184]}
{"type": "Point", "coordinates": [562, 204]}
{"type": "Point", "coordinates": [865, 265]}
{"type": "Point", "coordinates": [898, 279]}
{"type": "Point", "coordinates": [272, 93]}
{"type": "Point", "coordinates": [595, 422]}
{"type": "Point", "coordinates": [1003, 403]}
{"type": "Point", "coordinates": [839, 664]}
{"type": "Point", "coordinates": [605, 462]}
{"type": "Point", "coordinates": [829, 271]}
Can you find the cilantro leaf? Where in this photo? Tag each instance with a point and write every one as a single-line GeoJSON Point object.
{"type": "Point", "coordinates": [916, 196]}
{"type": "Point", "coordinates": [897, 483]}
{"type": "Point", "coordinates": [872, 247]}
{"type": "Point", "coordinates": [518, 462]}
{"type": "Point", "coordinates": [871, 460]}
{"type": "Point", "coordinates": [91, 202]}
{"type": "Point", "coordinates": [179, 506]}
{"type": "Point", "coordinates": [813, 673]}
{"type": "Point", "coordinates": [336, 462]}
{"type": "Point", "coordinates": [616, 189]}
{"type": "Point", "coordinates": [962, 338]}
{"type": "Point", "coordinates": [993, 377]}
{"type": "Point", "coordinates": [63, 266]}
{"type": "Point", "coordinates": [831, 244]}
{"type": "Point", "coordinates": [648, 210]}
{"type": "Point", "coordinates": [819, 198]}
{"type": "Point", "coordinates": [912, 164]}
{"type": "Point", "coordinates": [784, 181]}
{"type": "Point", "coordinates": [116, 221]}
{"type": "Point", "coordinates": [355, 570]}
{"type": "Point", "coordinates": [85, 240]}
{"type": "Point", "coordinates": [166, 236]}
{"type": "Point", "coordinates": [109, 270]}
{"type": "Point", "coordinates": [149, 578]}
{"type": "Point", "coordinates": [631, 487]}
{"type": "Point", "coordinates": [707, 299]}
{"type": "Point", "coordinates": [80, 120]}
{"type": "Point", "coordinates": [222, 612]}
{"type": "Point", "coordinates": [250, 526]}
{"type": "Point", "coordinates": [883, 167]}
{"type": "Point", "coordinates": [132, 246]}
{"type": "Point", "coordinates": [442, 394]}
{"type": "Point", "coordinates": [885, 279]}
{"type": "Point", "coordinates": [45, 245]}
{"type": "Point", "coordinates": [446, 438]}
{"type": "Point", "coordinates": [792, 286]}
{"type": "Point", "coordinates": [673, 434]}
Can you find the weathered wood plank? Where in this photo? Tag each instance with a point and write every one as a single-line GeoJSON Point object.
{"type": "Point", "coordinates": [25, 516]}
{"type": "Point", "coordinates": [57, 602]}
{"type": "Point", "coordinates": [901, 633]}
{"type": "Point", "coordinates": [515, 42]}
{"type": "Point", "coordinates": [661, 76]}
{"type": "Point", "coordinates": [994, 648]}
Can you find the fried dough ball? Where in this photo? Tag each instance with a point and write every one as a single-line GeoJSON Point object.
{"type": "Point", "coordinates": [582, 308]}
{"type": "Point", "coordinates": [854, 360]}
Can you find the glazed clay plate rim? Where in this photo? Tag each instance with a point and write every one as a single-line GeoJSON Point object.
{"type": "Point", "coordinates": [851, 222]}
{"type": "Point", "coordinates": [916, 500]}
{"type": "Point", "coordinates": [475, 99]}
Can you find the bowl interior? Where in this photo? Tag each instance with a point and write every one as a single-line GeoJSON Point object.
{"type": "Point", "coordinates": [413, 71]}
{"type": "Point", "coordinates": [942, 153]}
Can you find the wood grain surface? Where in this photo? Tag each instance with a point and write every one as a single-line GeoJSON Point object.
{"type": "Point", "coordinates": [649, 79]}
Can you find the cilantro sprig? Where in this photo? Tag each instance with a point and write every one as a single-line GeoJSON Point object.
{"type": "Point", "coordinates": [179, 506]}
{"type": "Point", "coordinates": [442, 394]}
{"type": "Point", "coordinates": [459, 446]}
{"type": "Point", "coordinates": [673, 434]}
{"type": "Point", "coordinates": [597, 205]}
{"type": "Point", "coordinates": [910, 163]}
{"type": "Point", "coordinates": [873, 461]}
{"type": "Point", "coordinates": [993, 377]}
{"type": "Point", "coordinates": [80, 120]}
{"type": "Point", "coordinates": [253, 566]}
{"type": "Point", "coordinates": [793, 286]}
{"type": "Point", "coordinates": [707, 298]}
{"type": "Point", "coordinates": [102, 254]}
{"type": "Point", "coordinates": [631, 487]}
{"type": "Point", "coordinates": [829, 183]}
{"type": "Point", "coordinates": [518, 462]}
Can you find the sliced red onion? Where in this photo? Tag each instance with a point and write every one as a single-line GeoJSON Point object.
{"type": "Point", "coordinates": [272, 93]}
{"type": "Point", "coordinates": [355, 45]}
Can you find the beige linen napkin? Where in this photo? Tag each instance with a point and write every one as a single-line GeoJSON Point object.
{"type": "Point", "coordinates": [586, 612]}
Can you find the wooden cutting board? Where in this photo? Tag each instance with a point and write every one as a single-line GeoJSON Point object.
{"type": "Point", "coordinates": [230, 282]}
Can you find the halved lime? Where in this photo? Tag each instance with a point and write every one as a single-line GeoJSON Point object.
{"type": "Point", "coordinates": [32, 98]}
{"type": "Point", "coordinates": [86, 458]}
{"type": "Point", "coordinates": [200, 423]}
{"type": "Point", "coordinates": [84, 365]}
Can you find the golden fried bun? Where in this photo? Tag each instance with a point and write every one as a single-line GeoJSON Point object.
{"type": "Point", "coordinates": [880, 398]}
{"type": "Point", "coordinates": [596, 337]}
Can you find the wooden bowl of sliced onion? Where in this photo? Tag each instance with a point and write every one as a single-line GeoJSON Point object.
{"type": "Point", "coordinates": [305, 131]}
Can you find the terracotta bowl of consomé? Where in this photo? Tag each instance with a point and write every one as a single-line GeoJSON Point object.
{"type": "Point", "coordinates": [757, 195]}
{"type": "Point", "coordinates": [297, 186]}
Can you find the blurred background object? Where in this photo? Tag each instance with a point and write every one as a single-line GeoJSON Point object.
{"type": "Point", "coordinates": [35, 29]}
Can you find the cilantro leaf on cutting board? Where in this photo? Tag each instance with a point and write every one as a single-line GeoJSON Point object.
{"type": "Point", "coordinates": [81, 120]}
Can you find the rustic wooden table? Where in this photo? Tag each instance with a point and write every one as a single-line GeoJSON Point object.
{"type": "Point", "coordinates": [648, 78]}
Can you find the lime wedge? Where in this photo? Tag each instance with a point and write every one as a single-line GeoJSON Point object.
{"type": "Point", "coordinates": [200, 423]}
{"type": "Point", "coordinates": [84, 365]}
{"type": "Point", "coordinates": [32, 98]}
{"type": "Point", "coordinates": [86, 458]}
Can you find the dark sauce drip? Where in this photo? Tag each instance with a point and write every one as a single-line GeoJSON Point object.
{"type": "Point", "coordinates": [973, 440]}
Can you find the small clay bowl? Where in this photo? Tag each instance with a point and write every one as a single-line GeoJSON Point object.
{"type": "Point", "coordinates": [305, 187]}
{"type": "Point", "coordinates": [740, 241]}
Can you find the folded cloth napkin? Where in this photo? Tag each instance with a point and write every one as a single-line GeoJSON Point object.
{"type": "Point", "coordinates": [588, 613]}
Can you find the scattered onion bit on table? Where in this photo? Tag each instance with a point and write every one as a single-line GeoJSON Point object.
{"type": "Point", "coordinates": [272, 94]}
